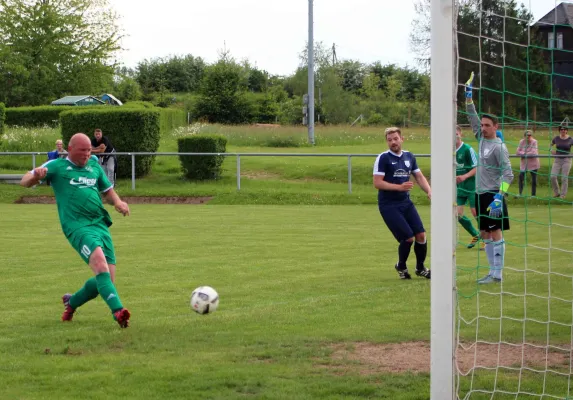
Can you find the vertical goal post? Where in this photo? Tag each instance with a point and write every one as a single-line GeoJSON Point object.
{"type": "Point", "coordinates": [443, 209]}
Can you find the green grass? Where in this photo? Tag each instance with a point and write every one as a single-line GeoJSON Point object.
{"type": "Point", "coordinates": [272, 180]}
{"type": "Point", "coordinates": [294, 282]}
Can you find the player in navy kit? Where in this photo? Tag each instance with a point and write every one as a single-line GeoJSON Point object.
{"type": "Point", "coordinates": [392, 171]}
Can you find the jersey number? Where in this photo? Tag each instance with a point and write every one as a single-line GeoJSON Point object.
{"type": "Point", "coordinates": [86, 251]}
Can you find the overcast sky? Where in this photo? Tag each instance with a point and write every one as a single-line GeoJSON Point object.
{"type": "Point", "coordinates": [272, 33]}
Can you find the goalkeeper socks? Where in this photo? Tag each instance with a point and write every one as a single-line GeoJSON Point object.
{"type": "Point", "coordinates": [86, 293]}
{"type": "Point", "coordinates": [108, 292]}
{"type": "Point", "coordinates": [498, 257]}
{"type": "Point", "coordinates": [489, 253]}
{"type": "Point", "coordinates": [403, 253]}
{"type": "Point", "coordinates": [467, 225]}
{"type": "Point", "coordinates": [421, 250]}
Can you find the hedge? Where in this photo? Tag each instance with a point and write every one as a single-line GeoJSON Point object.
{"type": "Point", "coordinates": [129, 130]}
{"type": "Point", "coordinates": [202, 167]}
{"type": "Point", "coordinates": [171, 118]}
{"type": "Point", "coordinates": [37, 116]}
{"type": "Point", "coordinates": [2, 116]}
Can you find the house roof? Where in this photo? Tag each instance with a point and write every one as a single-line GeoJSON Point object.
{"type": "Point", "coordinates": [560, 15]}
{"type": "Point", "coordinates": [71, 100]}
{"type": "Point", "coordinates": [111, 96]}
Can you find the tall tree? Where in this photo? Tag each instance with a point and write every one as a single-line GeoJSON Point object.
{"type": "Point", "coordinates": [49, 48]}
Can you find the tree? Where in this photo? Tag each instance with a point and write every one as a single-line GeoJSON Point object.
{"type": "Point", "coordinates": [421, 33]}
{"type": "Point", "coordinates": [222, 95]}
{"type": "Point", "coordinates": [173, 74]}
{"type": "Point", "coordinates": [503, 50]}
{"type": "Point", "coordinates": [50, 48]}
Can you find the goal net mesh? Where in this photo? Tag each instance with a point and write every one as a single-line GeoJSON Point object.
{"type": "Point", "coordinates": [514, 338]}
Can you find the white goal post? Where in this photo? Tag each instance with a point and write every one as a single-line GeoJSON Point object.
{"type": "Point", "coordinates": [443, 209]}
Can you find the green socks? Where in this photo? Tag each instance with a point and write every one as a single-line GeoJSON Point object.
{"type": "Point", "coordinates": [86, 293]}
{"type": "Point", "coordinates": [468, 226]}
{"type": "Point", "coordinates": [107, 291]}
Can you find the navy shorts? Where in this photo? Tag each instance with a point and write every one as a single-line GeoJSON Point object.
{"type": "Point", "coordinates": [402, 219]}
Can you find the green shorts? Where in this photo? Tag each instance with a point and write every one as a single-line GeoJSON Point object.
{"type": "Point", "coordinates": [85, 240]}
{"type": "Point", "coordinates": [465, 196]}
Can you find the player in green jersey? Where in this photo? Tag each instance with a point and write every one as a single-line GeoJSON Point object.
{"type": "Point", "coordinates": [466, 166]}
{"type": "Point", "coordinates": [77, 181]}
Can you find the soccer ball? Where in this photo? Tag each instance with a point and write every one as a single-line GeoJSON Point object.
{"type": "Point", "coordinates": [204, 300]}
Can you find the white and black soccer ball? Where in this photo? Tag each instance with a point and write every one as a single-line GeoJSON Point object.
{"type": "Point", "coordinates": [204, 300]}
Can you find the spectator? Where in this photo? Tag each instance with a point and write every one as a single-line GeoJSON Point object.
{"type": "Point", "coordinates": [102, 146]}
{"type": "Point", "coordinates": [59, 152]}
{"type": "Point", "coordinates": [527, 149]}
{"type": "Point", "coordinates": [561, 165]}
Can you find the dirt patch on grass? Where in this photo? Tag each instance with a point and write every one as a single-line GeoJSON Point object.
{"type": "Point", "coordinates": [414, 357]}
{"type": "Point", "coordinates": [128, 199]}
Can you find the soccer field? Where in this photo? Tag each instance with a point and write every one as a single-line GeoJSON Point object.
{"type": "Point", "coordinates": [310, 304]}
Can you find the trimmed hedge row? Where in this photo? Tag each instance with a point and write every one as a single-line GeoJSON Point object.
{"type": "Point", "coordinates": [172, 118]}
{"type": "Point", "coordinates": [2, 116]}
{"type": "Point", "coordinates": [49, 115]}
{"type": "Point", "coordinates": [36, 116]}
{"type": "Point", "coordinates": [129, 130]}
{"type": "Point", "coordinates": [202, 167]}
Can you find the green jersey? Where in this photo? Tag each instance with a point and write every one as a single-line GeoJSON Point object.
{"type": "Point", "coordinates": [77, 193]}
{"type": "Point", "coordinates": [466, 160]}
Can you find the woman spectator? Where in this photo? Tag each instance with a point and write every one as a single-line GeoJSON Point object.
{"type": "Point", "coordinates": [59, 152]}
{"type": "Point", "coordinates": [561, 165]}
{"type": "Point", "coordinates": [527, 149]}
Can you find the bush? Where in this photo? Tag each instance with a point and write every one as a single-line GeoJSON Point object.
{"type": "Point", "coordinates": [374, 119]}
{"type": "Point", "coordinates": [202, 167]}
{"type": "Point", "coordinates": [2, 116]}
{"type": "Point", "coordinates": [39, 116]}
{"type": "Point", "coordinates": [129, 130]}
{"type": "Point", "coordinates": [138, 104]}
{"type": "Point", "coordinates": [172, 118]}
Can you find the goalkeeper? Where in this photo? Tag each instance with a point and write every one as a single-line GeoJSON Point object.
{"type": "Point", "coordinates": [466, 165]}
{"type": "Point", "coordinates": [493, 177]}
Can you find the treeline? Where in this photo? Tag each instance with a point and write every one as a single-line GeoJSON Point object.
{"type": "Point", "coordinates": [229, 91]}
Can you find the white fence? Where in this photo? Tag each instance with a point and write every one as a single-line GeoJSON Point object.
{"type": "Point", "coordinates": [239, 156]}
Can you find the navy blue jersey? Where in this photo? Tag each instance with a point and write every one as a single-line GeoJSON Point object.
{"type": "Point", "coordinates": [395, 169]}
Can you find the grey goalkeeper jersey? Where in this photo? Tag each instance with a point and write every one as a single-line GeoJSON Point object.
{"type": "Point", "coordinates": [493, 165]}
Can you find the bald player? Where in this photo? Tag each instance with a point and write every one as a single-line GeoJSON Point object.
{"type": "Point", "coordinates": [77, 181]}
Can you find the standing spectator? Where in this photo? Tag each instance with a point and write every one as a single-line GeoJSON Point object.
{"type": "Point", "coordinates": [60, 152]}
{"type": "Point", "coordinates": [561, 165]}
{"type": "Point", "coordinates": [102, 146]}
{"type": "Point", "coordinates": [527, 149]}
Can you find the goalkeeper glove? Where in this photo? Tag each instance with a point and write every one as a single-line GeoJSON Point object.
{"type": "Point", "coordinates": [469, 86]}
{"type": "Point", "coordinates": [495, 207]}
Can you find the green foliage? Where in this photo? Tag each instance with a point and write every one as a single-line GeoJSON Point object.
{"type": "Point", "coordinates": [222, 96]}
{"type": "Point", "coordinates": [174, 74]}
{"type": "Point", "coordinates": [138, 104]}
{"type": "Point", "coordinates": [375, 119]}
{"type": "Point", "coordinates": [136, 130]}
{"type": "Point", "coordinates": [36, 116]}
{"type": "Point", "coordinates": [172, 118]}
{"type": "Point", "coordinates": [202, 167]}
{"type": "Point", "coordinates": [127, 89]}
{"type": "Point", "coordinates": [57, 47]}
{"type": "Point", "coordinates": [2, 117]}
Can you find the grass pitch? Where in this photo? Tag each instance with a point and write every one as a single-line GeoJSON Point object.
{"type": "Point", "coordinates": [297, 284]}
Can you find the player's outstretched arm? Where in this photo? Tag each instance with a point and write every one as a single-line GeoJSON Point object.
{"type": "Point", "coordinates": [471, 108]}
{"type": "Point", "coordinates": [34, 177]}
{"type": "Point", "coordinates": [423, 182]}
{"type": "Point", "coordinates": [113, 198]}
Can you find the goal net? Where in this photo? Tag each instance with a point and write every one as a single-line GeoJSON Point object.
{"type": "Point", "coordinates": [513, 338]}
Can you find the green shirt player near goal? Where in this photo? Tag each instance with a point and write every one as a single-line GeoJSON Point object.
{"type": "Point", "coordinates": [466, 167]}
{"type": "Point", "coordinates": [77, 182]}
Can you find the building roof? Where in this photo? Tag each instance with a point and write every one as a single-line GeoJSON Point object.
{"type": "Point", "coordinates": [72, 100]}
{"type": "Point", "coordinates": [560, 15]}
{"type": "Point", "coordinates": [114, 99]}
